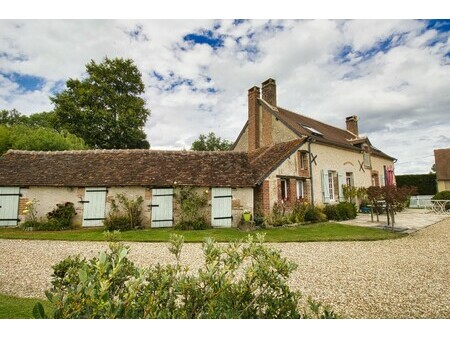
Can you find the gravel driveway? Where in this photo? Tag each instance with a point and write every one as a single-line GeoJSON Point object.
{"type": "Point", "coordinates": [403, 278]}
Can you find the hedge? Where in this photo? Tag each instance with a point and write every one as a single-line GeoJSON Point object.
{"type": "Point", "coordinates": [426, 183]}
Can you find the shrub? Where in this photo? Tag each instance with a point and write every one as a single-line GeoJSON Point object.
{"type": "Point", "coordinates": [59, 218]}
{"type": "Point", "coordinates": [341, 211]}
{"type": "Point", "coordinates": [192, 216]}
{"type": "Point", "coordinates": [276, 217]}
{"type": "Point", "coordinates": [315, 215]}
{"type": "Point", "coordinates": [239, 280]}
{"type": "Point", "coordinates": [62, 215]}
{"type": "Point", "coordinates": [298, 212]}
{"type": "Point", "coordinates": [442, 195]}
{"type": "Point", "coordinates": [125, 214]}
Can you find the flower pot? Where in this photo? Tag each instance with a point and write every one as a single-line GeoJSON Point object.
{"type": "Point", "coordinates": [247, 217]}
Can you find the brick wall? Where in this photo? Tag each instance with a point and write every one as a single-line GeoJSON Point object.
{"type": "Point", "coordinates": [262, 201]}
{"type": "Point", "coordinates": [253, 119]}
{"type": "Point", "coordinates": [303, 172]}
{"type": "Point", "coordinates": [22, 204]}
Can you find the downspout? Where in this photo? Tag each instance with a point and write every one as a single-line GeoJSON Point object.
{"type": "Point", "coordinates": [310, 140]}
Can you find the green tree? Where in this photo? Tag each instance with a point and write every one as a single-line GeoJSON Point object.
{"type": "Point", "coordinates": [105, 109]}
{"type": "Point", "coordinates": [210, 143]}
{"type": "Point", "coordinates": [11, 117]}
{"type": "Point", "coordinates": [37, 138]}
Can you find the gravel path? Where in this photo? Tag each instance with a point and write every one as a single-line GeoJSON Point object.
{"type": "Point", "coordinates": [403, 278]}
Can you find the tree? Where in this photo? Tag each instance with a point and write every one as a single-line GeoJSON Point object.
{"type": "Point", "coordinates": [40, 138]}
{"type": "Point", "coordinates": [13, 118]}
{"type": "Point", "coordinates": [105, 109]}
{"type": "Point", "coordinates": [210, 143]}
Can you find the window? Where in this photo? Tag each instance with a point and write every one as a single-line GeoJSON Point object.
{"type": "Point", "coordinates": [284, 189]}
{"type": "Point", "coordinates": [331, 184]}
{"type": "Point", "coordinates": [349, 179]}
{"type": "Point", "coordinates": [303, 160]}
{"type": "Point", "coordinates": [300, 187]}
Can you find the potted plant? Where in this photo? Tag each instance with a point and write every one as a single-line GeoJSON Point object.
{"type": "Point", "coordinates": [247, 215]}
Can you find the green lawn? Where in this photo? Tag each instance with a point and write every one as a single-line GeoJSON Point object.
{"type": "Point", "coordinates": [305, 233]}
{"type": "Point", "coordinates": [14, 307]}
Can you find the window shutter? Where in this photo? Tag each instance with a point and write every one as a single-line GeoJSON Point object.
{"type": "Point", "coordinates": [325, 190]}
{"type": "Point", "coordinates": [340, 183]}
{"type": "Point", "coordinates": [382, 180]}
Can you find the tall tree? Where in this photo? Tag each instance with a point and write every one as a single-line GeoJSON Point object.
{"type": "Point", "coordinates": [12, 117]}
{"type": "Point", "coordinates": [105, 109]}
{"type": "Point", "coordinates": [210, 143]}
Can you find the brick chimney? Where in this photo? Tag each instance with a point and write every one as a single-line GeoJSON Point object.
{"type": "Point", "coordinates": [253, 119]}
{"type": "Point", "coordinates": [269, 92]}
{"type": "Point", "coordinates": [352, 124]}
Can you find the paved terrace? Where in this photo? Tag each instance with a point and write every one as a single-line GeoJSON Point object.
{"type": "Point", "coordinates": [408, 221]}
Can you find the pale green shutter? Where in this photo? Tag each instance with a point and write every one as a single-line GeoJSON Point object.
{"type": "Point", "coordinates": [9, 206]}
{"type": "Point", "coordinates": [94, 206]}
{"type": "Point", "coordinates": [325, 189]}
{"type": "Point", "coordinates": [340, 183]}
{"type": "Point", "coordinates": [162, 207]}
{"type": "Point", "coordinates": [221, 207]}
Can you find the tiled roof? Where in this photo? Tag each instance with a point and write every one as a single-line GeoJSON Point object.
{"type": "Point", "coordinates": [442, 160]}
{"type": "Point", "coordinates": [125, 167]}
{"type": "Point", "coordinates": [266, 159]}
{"type": "Point", "coordinates": [157, 168]}
{"type": "Point", "coordinates": [327, 133]}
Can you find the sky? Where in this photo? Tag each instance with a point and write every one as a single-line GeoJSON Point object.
{"type": "Point", "coordinates": [393, 74]}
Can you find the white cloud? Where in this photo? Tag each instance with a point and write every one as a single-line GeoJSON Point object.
{"type": "Point", "coordinates": [400, 94]}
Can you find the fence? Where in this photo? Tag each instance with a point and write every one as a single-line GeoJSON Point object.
{"type": "Point", "coordinates": [420, 201]}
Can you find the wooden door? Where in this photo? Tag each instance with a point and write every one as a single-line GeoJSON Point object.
{"type": "Point", "coordinates": [162, 208]}
{"type": "Point", "coordinates": [94, 206]}
{"type": "Point", "coordinates": [9, 206]}
{"type": "Point", "coordinates": [221, 207]}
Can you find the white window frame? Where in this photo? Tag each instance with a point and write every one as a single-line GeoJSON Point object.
{"type": "Point", "coordinates": [300, 189]}
{"type": "Point", "coordinates": [331, 184]}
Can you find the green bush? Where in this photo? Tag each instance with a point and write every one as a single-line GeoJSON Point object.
{"type": "Point", "coordinates": [125, 214]}
{"type": "Point", "coordinates": [298, 212]}
{"type": "Point", "coordinates": [192, 215]}
{"type": "Point", "coordinates": [239, 280]}
{"type": "Point", "coordinates": [315, 215]}
{"type": "Point", "coordinates": [341, 211]}
{"type": "Point", "coordinates": [442, 195]}
{"type": "Point", "coordinates": [59, 218]}
{"type": "Point", "coordinates": [117, 222]}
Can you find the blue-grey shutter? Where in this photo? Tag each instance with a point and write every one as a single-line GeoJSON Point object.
{"type": "Point", "coordinates": [221, 207]}
{"type": "Point", "coordinates": [340, 183]}
{"type": "Point", "coordinates": [94, 206]}
{"type": "Point", "coordinates": [162, 207]}
{"type": "Point", "coordinates": [325, 189]}
{"type": "Point", "coordinates": [9, 206]}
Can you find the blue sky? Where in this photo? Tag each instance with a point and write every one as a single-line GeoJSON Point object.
{"type": "Point", "coordinates": [393, 74]}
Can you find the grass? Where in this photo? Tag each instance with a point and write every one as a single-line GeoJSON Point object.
{"type": "Point", "coordinates": [20, 308]}
{"type": "Point", "coordinates": [306, 233]}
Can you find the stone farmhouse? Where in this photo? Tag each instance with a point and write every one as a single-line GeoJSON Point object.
{"type": "Point", "coordinates": [279, 157]}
